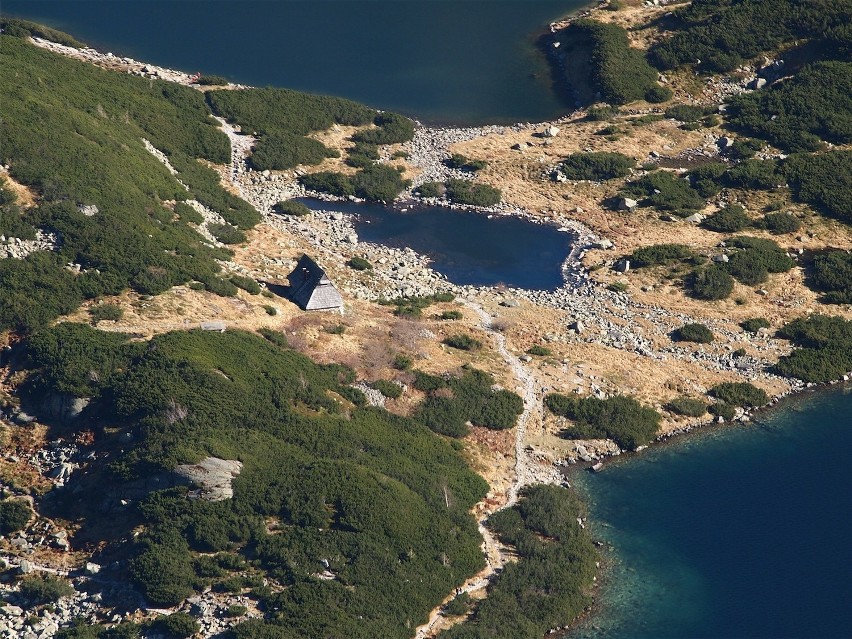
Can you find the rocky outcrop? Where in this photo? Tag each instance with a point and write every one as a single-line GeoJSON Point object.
{"type": "Point", "coordinates": [213, 476]}
{"type": "Point", "coordinates": [63, 407]}
{"type": "Point", "coordinates": [18, 249]}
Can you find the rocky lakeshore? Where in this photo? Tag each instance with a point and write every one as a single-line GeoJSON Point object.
{"type": "Point", "coordinates": [596, 314]}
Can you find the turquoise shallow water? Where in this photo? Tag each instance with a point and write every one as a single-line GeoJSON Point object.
{"type": "Point", "coordinates": [742, 531]}
{"type": "Point", "coordinates": [452, 61]}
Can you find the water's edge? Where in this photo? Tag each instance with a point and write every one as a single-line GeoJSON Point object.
{"type": "Point", "coordinates": [761, 483]}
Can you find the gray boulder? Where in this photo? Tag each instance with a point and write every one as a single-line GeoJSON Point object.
{"type": "Point", "coordinates": [213, 476]}
{"type": "Point", "coordinates": [88, 210]}
{"type": "Point", "coordinates": [626, 204]}
{"type": "Point", "coordinates": [63, 406]}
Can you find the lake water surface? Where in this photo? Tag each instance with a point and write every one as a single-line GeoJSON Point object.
{"type": "Point", "coordinates": [450, 61]}
{"type": "Point", "coordinates": [469, 248]}
{"type": "Point", "coordinates": [742, 531]}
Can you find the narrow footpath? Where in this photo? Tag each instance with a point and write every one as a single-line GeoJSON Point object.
{"type": "Point", "coordinates": [496, 554]}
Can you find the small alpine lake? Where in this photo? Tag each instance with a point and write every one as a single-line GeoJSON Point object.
{"type": "Point", "coordinates": [469, 248]}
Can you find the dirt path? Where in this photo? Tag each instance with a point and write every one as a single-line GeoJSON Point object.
{"type": "Point", "coordinates": [241, 145]}
{"type": "Point", "coordinates": [524, 467]}
{"type": "Point", "coordinates": [496, 554]}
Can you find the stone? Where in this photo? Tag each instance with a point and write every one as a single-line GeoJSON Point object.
{"type": "Point", "coordinates": [622, 266]}
{"type": "Point", "coordinates": [23, 418]}
{"type": "Point", "coordinates": [92, 568]}
{"type": "Point", "coordinates": [626, 204]}
{"type": "Point", "coordinates": [695, 218]}
{"type": "Point", "coordinates": [552, 132]}
{"type": "Point", "coordinates": [89, 210]}
{"type": "Point", "coordinates": [64, 406]}
{"type": "Point", "coordinates": [26, 567]}
{"type": "Point", "coordinates": [725, 142]}
{"type": "Point", "coordinates": [62, 472]}
{"type": "Point", "coordinates": [212, 475]}
{"type": "Point", "coordinates": [510, 303]}
{"type": "Point", "coordinates": [721, 258]}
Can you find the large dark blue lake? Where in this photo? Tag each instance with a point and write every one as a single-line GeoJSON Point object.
{"type": "Point", "coordinates": [739, 532]}
{"type": "Point", "coordinates": [469, 248]}
{"type": "Point", "coordinates": [448, 61]}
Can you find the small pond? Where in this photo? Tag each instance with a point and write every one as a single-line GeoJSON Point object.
{"type": "Point", "coordinates": [468, 248]}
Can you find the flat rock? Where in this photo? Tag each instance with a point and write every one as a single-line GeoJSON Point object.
{"type": "Point", "coordinates": [626, 204]}
{"type": "Point", "coordinates": [213, 476]}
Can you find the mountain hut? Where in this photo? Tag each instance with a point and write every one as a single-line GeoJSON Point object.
{"type": "Point", "coordinates": [311, 289]}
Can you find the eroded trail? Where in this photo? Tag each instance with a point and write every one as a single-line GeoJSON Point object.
{"type": "Point", "coordinates": [496, 555]}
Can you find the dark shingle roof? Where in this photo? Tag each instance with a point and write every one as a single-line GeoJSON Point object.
{"type": "Point", "coordinates": [311, 289]}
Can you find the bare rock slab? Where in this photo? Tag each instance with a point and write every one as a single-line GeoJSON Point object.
{"type": "Point", "coordinates": [213, 476]}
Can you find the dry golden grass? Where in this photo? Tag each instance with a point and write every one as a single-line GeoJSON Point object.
{"type": "Point", "coordinates": [523, 176]}
{"type": "Point", "coordinates": [26, 196]}
{"type": "Point", "coordinates": [19, 441]}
